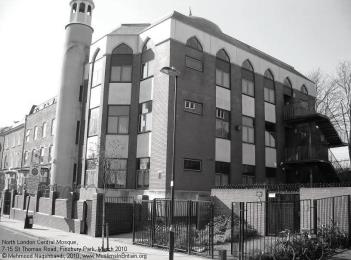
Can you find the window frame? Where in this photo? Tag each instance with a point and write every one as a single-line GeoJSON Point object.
{"type": "Point", "coordinates": [242, 87]}
{"type": "Point", "coordinates": [144, 186]}
{"type": "Point", "coordinates": [188, 57]}
{"type": "Point", "coordinates": [247, 126]}
{"type": "Point", "coordinates": [118, 120]}
{"type": "Point", "coordinates": [126, 173]}
{"type": "Point", "coordinates": [121, 73]}
{"type": "Point", "coordinates": [220, 116]}
{"type": "Point", "coordinates": [193, 110]}
{"type": "Point", "coordinates": [193, 160]}
{"type": "Point", "coordinates": [140, 114]}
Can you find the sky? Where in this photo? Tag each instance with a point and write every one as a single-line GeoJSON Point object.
{"type": "Point", "coordinates": [307, 34]}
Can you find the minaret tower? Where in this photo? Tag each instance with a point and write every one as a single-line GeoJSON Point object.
{"type": "Point", "coordinates": [69, 108]}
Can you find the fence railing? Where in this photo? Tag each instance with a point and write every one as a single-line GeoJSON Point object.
{"type": "Point", "coordinates": [193, 222]}
{"type": "Point", "coordinates": [257, 226]}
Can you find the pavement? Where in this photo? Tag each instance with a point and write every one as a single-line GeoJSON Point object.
{"type": "Point", "coordinates": [342, 256]}
{"type": "Point", "coordinates": [79, 246]}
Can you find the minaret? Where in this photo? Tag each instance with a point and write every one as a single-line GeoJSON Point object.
{"type": "Point", "coordinates": [69, 108]}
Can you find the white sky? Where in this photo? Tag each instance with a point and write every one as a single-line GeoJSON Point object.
{"type": "Point", "coordinates": [306, 34]}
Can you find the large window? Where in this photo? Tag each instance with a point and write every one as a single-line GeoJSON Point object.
{"type": "Point", "coordinates": [192, 165]}
{"type": "Point", "coordinates": [147, 57]}
{"type": "Point", "coordinates": [194, 52]}
{"type": "Point", "coordinates": [118, 119]}
{"type": "Point", "coordinates": [41, 154]}
{"type": "Point", "coordinates": [143, 168]}
{"type": "Point", "coordinates": [222, 123]}
{"type": "Point", "coordinates": [304, 90]}
{"type": "Point", "coordinates": [270, 135]}
{"type": "Point", "coordinates": [44, 129]}
{"type": "Point", "coordinates": [145, 117]}
{"type": "Point", "coordinates": [121, 64]}
{"type": "Point", "coordinates": [26, 158]}
{"type": "Point", "coordinates": [50, 153]}
{"type": "Point", "coordinates": [222, 69]}
{"type": "Point", "coordinates": [248, 79]}
{"type": "Point", "coordinates": [269, 87]}
{"type": "Point", "coordinates": [36, 133]}
{"type": "Point", "coordinates": [53, 126]}
{"type": "Point", "coordinates": [248, 176]}
{"type": "Point", "coordinates": [117, 174]}
{"type": "Point", "coordinates": [193, 107]}
{"type": "Point", "coordinates": [93, 121]}
{"type": "Point", "coordinates": [222, 173]}
{"type": "Point", "coordinates": [248, 130]}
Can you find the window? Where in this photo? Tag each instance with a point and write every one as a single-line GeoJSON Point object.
{"type": "Point", "coordinates": [222, 173]}
{"type": "Point", "coordinates": [77, 132]}
{"type": "Point", "coordinates": [193, 63]}
{"type": "Point", "coordinates": [117, 175]}
{"type": "Point", "coordinates": [93, 121]}
{"type": "Point", "coordinates": [44, 129]}
{"type": "Point", "coordinates": [304, 90]}
{"type": "Point", "coordinates": [89, 10]}
{"type": "Point", "coordinates": [74, 8]}
{"type": "Point", "coordinates": [194, 43]}
{"type": "Point", "coordinates": [81, 7]}
{"type": "Point", "coordinates": [269, 87]}
{"type": "Point", "coordinates": [192, 165]}
{"type": "Point", "coordinates": [222, 78]}
{"type": "Point", "coordinates": [34, 156]}
{"type": "Point", "coordinates": [121, 73]}
{"type": "Point", "coordinates": [222, 69]}
{"type": "Point", "coordinates": [50, 153]}
{"type": "Point", "coordinates": [248, 79]}
{"type": "Point", "coordinates": [143, 168]}
{"type": "Point", "coordinates": [248, 130]}
{"type": "Point", "coordinates": [27, 136]}
{"type": "Point", "coordinates": [35, 133]}
{"type": "Point", "coordinates": [121, 64]}
{"type": "Point", "coordinates": [193, 58]}
{"type": "Point", "coordinates": [95, 95]}
{"type": "Point", "coordinates": [192, 107]}
{"type": "Point", "coordinates": [270, 135]}
{"type": "Point", "coordinates": [26, 158]}
{"type": "Point", "coordinates": [18, 139]}
{"type": "Point", "coordinates": [147, 57]}
{"type": "Point", "coordinates": [222, 123]}
{"type": "Point", "coordinates": [145, 117]}
{"type": "Point", "coordinates": [269, 95]}
{"type": "Point", "coordinates": [118, 120]}
{"type": "Point", "coordinates": [248, 87]}
{"type": "Point", "coordinates": [248, 176]}
{"type": "Point", "coordinates": [53, 126]}
{"type": "Point", "coordinates": [44, 175]}
{"type": "Point", "coordinates": [41, 155]}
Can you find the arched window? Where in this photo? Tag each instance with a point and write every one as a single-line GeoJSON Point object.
{"type": "Point", "coordinates": [89, 10]}
{"type": "Point", "coordinates": [287, 82]}
{"type": "Point", "coordinates": [74, 8]}
{"type": "Point", "coordinates": [194, 43]}
{"type": "Point", "coordinates": [81, 7]}
{"type": "Point", "coordinates": [121, 64]}
{"type": "Point", "coordinates": [35, 133]}
{"type": "Point", "coordinates": [222, 69]}
{"type": "Point", "coordinates": [247, 79]}
{"type": "Point", "coordinates": [194, 53]}
{"type": "Point", "coordinates": [34, 155]}
{"type": "Point", "coordinates": [269, 87]}
{"type": "Point", "coordinates": [304, 89]}
{"type": "Point", "coordinates": [147, 58]}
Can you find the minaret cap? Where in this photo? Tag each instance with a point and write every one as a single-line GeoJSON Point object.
{"type": "Point", "coordinates": [81, 11]}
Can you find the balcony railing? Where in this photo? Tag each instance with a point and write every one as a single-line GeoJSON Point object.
{"type": "Point", "coordinates": [299, 109]}
{"type": "Point", "coordinates": [300, 153]}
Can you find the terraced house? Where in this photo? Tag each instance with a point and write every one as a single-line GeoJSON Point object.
{"type": "Point", "coordinates": [242, 116]}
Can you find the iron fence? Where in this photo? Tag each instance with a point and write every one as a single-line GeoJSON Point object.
{"type": "Point", "coordinates": [193, 222]}
{"type": "Point", "coordinates": [256, 227]}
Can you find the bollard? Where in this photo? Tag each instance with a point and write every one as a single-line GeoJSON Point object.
{"type": "Point", "coordinates": [222, 254]}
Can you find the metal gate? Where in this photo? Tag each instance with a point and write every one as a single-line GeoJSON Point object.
{"type": "Point", "coordinates": [119, 214]}
{"type": "Point", "coordinates": [193, 221]}
{"type": "Point", "coordinates": [256, 226]}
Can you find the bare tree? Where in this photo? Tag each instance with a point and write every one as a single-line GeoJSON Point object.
{"type": "Point", "coordinates": [334, 98]}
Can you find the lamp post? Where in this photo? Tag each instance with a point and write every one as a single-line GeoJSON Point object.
{"type": "Point", "coordinates": [172, 72]}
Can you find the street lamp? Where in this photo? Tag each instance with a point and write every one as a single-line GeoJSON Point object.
{"type": "Point", "coordinates": [172, 72]}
